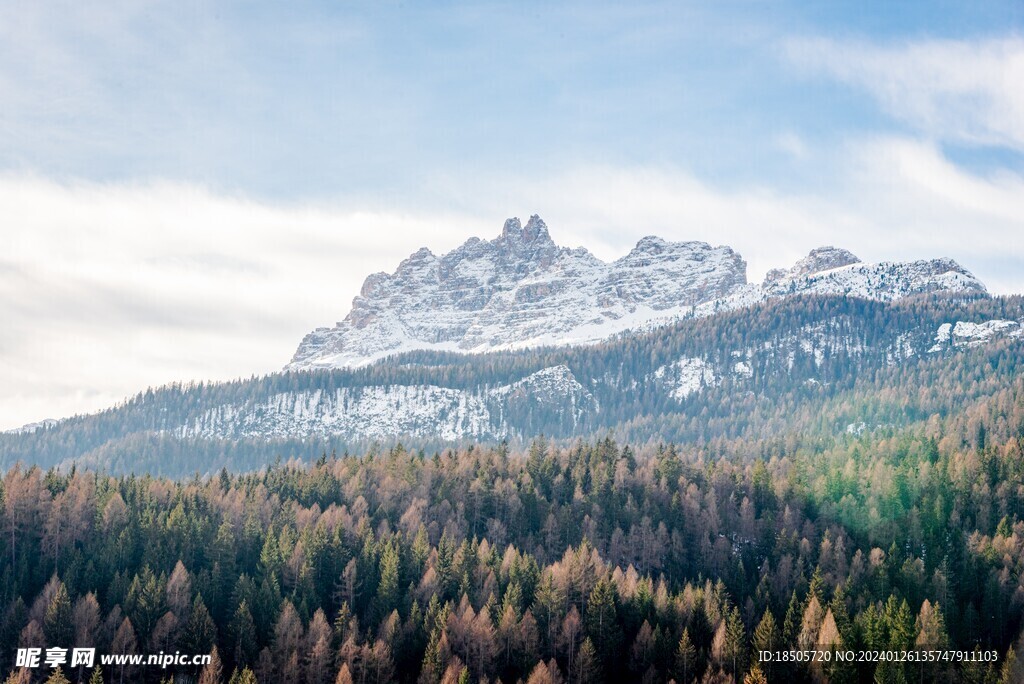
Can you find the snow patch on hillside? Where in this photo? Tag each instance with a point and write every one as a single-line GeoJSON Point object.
{"type": "Point", "coordinates": [743, 369]}
{"type": "Point", "coordinates": [33, 427]}
{"type": "Point", "coordinates": [396, 410]}
{"type": "Point", "coordinates": [965, 334]}
{"type": "Point", "coordinates": [686, 376]}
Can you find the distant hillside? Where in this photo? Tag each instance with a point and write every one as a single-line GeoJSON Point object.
{"type": "Point", "coordinates": [802, 364]}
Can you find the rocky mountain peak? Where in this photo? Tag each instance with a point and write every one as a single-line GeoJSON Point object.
{"type": "Point", "coordinates": [523, 290]}
{"type": "Point", "coordinates": [817, 261]}
{"type": "Point", "coordinates": [513, 229]}
{"type": "Point", "coordinates": [836, 271]}
{"type": "Point", "coordinates": [650, 244]}
{"type": "Point", "coordinates": [517, 237]}
{"type": "Point", "coordinates": [536, 229]}
{"type": "Point", "coordinates": [824, 259]}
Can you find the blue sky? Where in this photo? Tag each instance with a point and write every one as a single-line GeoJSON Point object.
{"type": "Point", "coordinates": [326, 100]}
{"type": "Point", "coordinates": [188, 187]}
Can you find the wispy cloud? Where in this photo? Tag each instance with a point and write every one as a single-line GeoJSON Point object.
{"type": "Point", "coordinates": [967, 91]}
{"type": "Point", "coordinates": [106, 289]}
{"type": "Point", "coordinates": [884, 197]}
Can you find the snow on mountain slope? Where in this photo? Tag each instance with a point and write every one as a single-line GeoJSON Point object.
{"type": "Point", "coordinates": [686, 376]}
{"type": "Point", "coordinates": [829, 270]}
{"type": "Point", "coordinates": [399, 410]}
{"type": "Point", "coordinates": [966, 334]}
{"type": "Point", "coordinates": [32, 427]}
{"type": "Point", "coordinates": [522, 290]}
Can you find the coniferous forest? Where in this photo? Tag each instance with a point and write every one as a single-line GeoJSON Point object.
{"type": "Point", "coordinates": [860, 491]}
{"type": "Point", "coordinates": [813, 365]}
{"type": "Point", "coordinates": [583, 562]}
{"type": "Point", "coordinates": [298, 387]}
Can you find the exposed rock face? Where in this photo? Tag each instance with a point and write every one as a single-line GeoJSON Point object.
{"type": "Point", "coordinates": [520, 289]}
{"type": "Point", "coordinates": [523, 290]}
{"type": "Point", "coordinates": [829, 270]}
{"type": "Point", "coordinates": [820, 259]}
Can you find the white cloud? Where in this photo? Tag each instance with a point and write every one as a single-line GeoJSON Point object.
{"type": "Point", "coordinates": [883, 198]}
{"type": "Point", "coordinates": [958, 90]}
{"type": "Point", "coordinates": [108, 289]}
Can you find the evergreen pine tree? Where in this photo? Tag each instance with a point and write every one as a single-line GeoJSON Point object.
{"type": "Point", "coordinates": [755, 676]}
{"type": "Point", "coordinates": [58, 623]}
{"type": "Point", "coordinates": [791, 623]}
{"type": "Point", "coordinates": [213, 670]}
{"type": "Point", "coordinates": [243, 676]}
{"type": "Point", "coordinates": [602, 620]}
{"type": "Point", "coordinates": [57, 677]}
{"type": "Point", "coordinates": [686, 655]}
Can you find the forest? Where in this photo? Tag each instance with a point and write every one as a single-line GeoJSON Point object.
{"type": "Point", "coordinates": [565, 563]}
{"type": "Point", "coordinates": [815, 366]}
{"type": "Point", "coordinates": [859, 490]}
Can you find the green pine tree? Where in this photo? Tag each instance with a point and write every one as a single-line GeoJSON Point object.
{"type": "Point", "coordinates": [602, 620]}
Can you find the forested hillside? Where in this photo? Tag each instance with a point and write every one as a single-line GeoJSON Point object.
{"type": "Point", "coordinates": [585, 563]}
{"type": "Point", "coordinates": [813, 472]}
{"type": "Point", "coordinates": [802, 365]}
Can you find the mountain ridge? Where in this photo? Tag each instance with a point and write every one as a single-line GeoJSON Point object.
{"type": "Point", "coordinates": [522, 290]}
{"type": "Point", "coordinates": [809, 362]}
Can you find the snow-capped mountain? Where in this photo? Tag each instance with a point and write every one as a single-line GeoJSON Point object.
{"type": "Point", "coordinates": [522, 290]}
{"type": "Point", "coordinates": [830, 270]}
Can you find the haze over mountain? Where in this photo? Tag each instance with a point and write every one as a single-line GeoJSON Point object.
{"type": "Point", "coordinates": [522, 290]}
